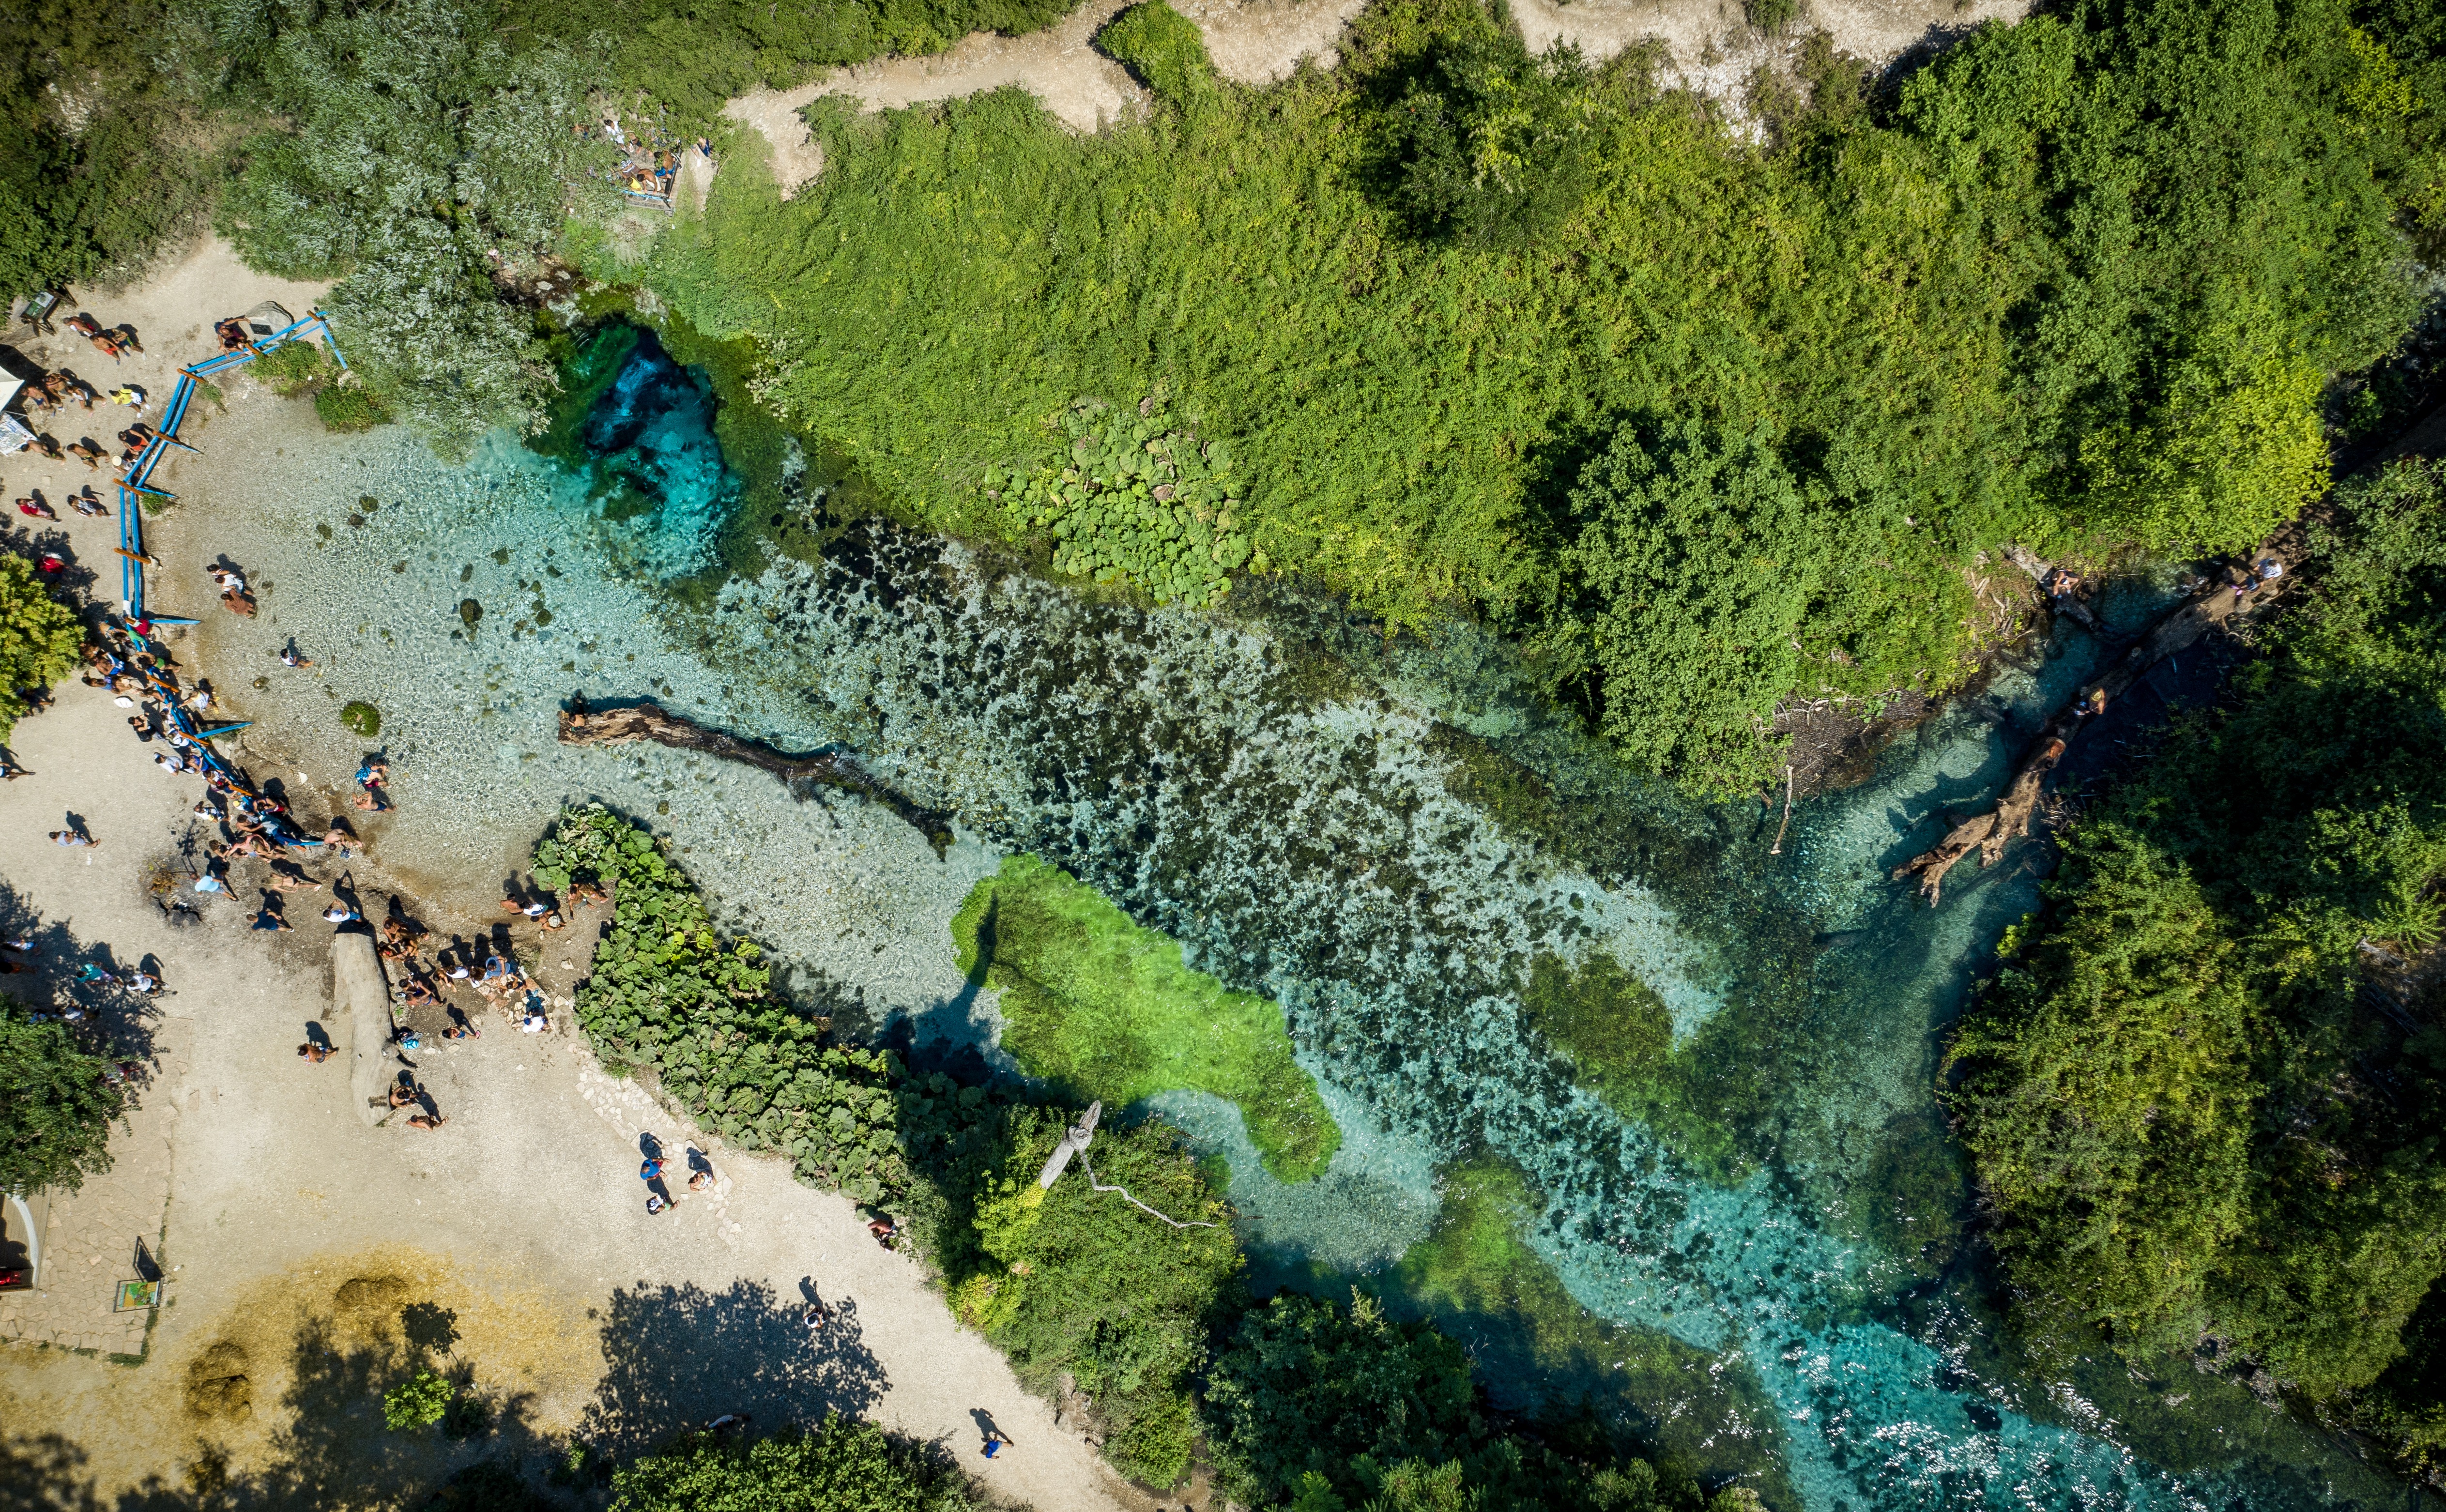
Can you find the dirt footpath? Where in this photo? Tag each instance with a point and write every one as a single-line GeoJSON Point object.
{"type": "Point", "coordinates": [1707, 46]}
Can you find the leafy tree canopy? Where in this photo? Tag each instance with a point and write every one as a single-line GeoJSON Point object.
{"type": "Point", "coordinates": [422, 146]}
{"type": "Point", "coordinates": [1323, 1407]}
{"type": "Point", "coordinates": [2203, 1105]}
{"type": "Point", "coordinates": [101, 158]}
{"type": "Point", "coordinates": [838, 1465]}
{"type": "Point", "coordinates": [55, 1108]}
{"type": "Point", "coordinates": [39, 636]}
{"type": "Point", "coordinates": [1162, 50]}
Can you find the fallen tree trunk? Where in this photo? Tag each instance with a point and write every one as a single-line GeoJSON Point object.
{"type": "Point", "coordinates": [581, 726]}
{"type": "Point", "coordinates": [361, 1011]}
{"type": "Point", "coordinates": [2182, 627]}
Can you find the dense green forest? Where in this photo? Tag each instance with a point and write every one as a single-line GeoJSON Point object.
{"type": "Point", "coordinates": [1710, 408]}
{"type": "Point", "coordinates": [2205, 1094]}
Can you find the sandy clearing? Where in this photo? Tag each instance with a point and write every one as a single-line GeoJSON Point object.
{"type": "Point", "coordinates": [1710, 48]}
{"type": "Point", "coordinates": [1261, 42]}
{"type": "Point", "coordinates": [531, 1183]}
{"type": "Point", "coordinates": [1084, 90]}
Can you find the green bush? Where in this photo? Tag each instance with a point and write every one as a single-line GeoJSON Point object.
{"type": "Point", "coordinates": [361, 719]}
{"type": "Point", "coordinates": [416, 143]}
{"type": "Point", "coordinates": [1708, 582]}
{"type": "Point", "coordinates": [293, 368]}
{"type": "Point", "coordinates": [1774, 17]}
{"type": "Point", "coordinates": [416, 1402]}
{"type": "Point", "coordinates": [838, 1465]}
{"type": "Point", "coordinates": [39, 636]}
{"type": "Point", "coordinates": [1309, 1386]}
{"type": "Point", "coordinates": [95, 194]}
{"type": "Point", "coordinates": [350, 409]}
{"type": "Point", "coordinates": [1162, 50]}
{"type": "Point", "coordinates": [1326, 1408]}
{"type": "Point", "coordinates": [2106, 1086]}
{"type": "Point", "coordinates": [1132, 499]}
{"type": "Point", "coordinates": [1489, 145]}
{"type": "Point", "coordinates": [55, 1108]}
{"type": "Point", "coordinates": [1081, 1281]}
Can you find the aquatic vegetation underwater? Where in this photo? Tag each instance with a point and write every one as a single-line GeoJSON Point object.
{"type": "Point", "coordinates": [1390, 839]}
{"type": "Point", "coordinates": [1104, 1011]}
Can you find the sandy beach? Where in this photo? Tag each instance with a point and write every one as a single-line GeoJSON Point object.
{"type": "Point", "coordinates": [307, 1255]}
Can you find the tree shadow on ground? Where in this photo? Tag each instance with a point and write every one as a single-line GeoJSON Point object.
{"type": "Point", "coordinates": [332, 1446]}
{"type": "Point", "coordinates": [117, 1024]}
{"type": "Point", "coordinates": [677, 1357]}
{"type": "Point", "coordinates": [43, 1473]}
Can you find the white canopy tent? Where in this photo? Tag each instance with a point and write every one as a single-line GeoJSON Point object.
{"type": "Point", "coordinates": [14, 437]}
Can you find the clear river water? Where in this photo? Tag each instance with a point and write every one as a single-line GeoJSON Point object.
{"type": "Point", "coordinates": [1378, 834]}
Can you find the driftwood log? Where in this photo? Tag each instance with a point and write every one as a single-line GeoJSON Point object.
{"type": "Point", "coordinates": [615, 727]}
{"type": "Point", "coordinates": [2182, 627]}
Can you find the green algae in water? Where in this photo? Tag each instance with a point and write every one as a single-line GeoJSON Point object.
{"type": "Point", "coordinates": [361, 718]}
{"type": "Point", "coordinates": [1104, 1009]}
{"type": "Point", "coordinates": [1617, 1036]}
{"type": "Point", "coordinates": [1535, 1347]}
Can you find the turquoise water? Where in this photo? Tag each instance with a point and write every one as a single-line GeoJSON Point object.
{"type": "Point", "coordinates": [1308, 809]}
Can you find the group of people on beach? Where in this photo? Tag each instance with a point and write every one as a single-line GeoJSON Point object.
{"type": "Point", "coordinates": [423, 971]}
{"type": "Point", "coordinates": [113, 342]}
{"type": "Point", "coordinates": [53, 392]}
{"type": "Point", "coordinates": [19, 956]}
{"type": "Point", "coordinates": [124, 659]}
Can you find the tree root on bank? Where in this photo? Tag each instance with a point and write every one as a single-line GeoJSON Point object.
{"type": "Point", "coordinates": [614, 727]}
{"type": "Point", "coordinates": [2180, 627]}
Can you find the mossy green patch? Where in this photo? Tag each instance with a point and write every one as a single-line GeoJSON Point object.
{"type": "Point", "coordinates": [1102, 1009]}
{"type": "Point", "coordinates": [1618, 1037]}
{"type": "Point", "coordinates": [1479, 1282]}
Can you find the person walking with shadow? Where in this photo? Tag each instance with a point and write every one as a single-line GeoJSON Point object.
{"type": "Point", "coordinates": [996, 1443]}
{"type": "Point", "coordinates": [650, 1170]}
